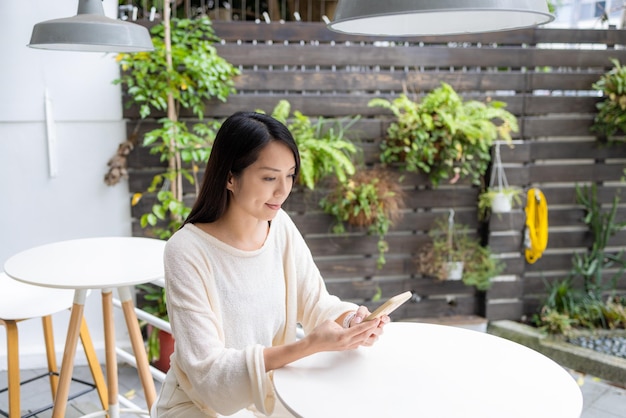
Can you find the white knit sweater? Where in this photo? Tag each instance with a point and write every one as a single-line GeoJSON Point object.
{"type": "Point", "coordinates": [225, 305]}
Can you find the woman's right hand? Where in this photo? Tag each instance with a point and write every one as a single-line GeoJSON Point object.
{"type": "Point", "coordinates": [327, 336]}
{"type": "Point", "coordinates": [330, 336]}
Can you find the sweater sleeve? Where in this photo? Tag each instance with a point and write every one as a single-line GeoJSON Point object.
{"type": "Point", "coordinates": [216, 378]}
{"type": "Point", "coordinates": [315, 304]}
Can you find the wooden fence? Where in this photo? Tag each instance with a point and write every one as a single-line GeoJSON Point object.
{"type": "Point", "coordinates": [544, 75]}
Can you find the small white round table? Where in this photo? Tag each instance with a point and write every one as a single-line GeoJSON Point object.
{"type": "Point", "coordinates": [434, 371]}
{"type": "Point", "coordinates": [101, 263]}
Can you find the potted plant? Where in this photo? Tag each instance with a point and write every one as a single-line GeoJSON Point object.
{"type": "Point", "coordinates": [610, 118]}
{"type": "Point", "coordinates": [499, 197]}
{"type": "Point", "coordinates": [444, 136]}
{"type": "Point", "coordinates": [452, 245]}
{"type": "Point", "coordinates": [498, 200]}
{"type": "Point", "coordinates": [182, 73]}
{"type": "Point", "coordinates": [159, 343]}
{"type": "Point", "coordinates": [372, 198]}
{"type": "Point", "coordinates": [324, 150]}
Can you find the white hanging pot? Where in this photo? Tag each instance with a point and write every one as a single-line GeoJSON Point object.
{"type": "Point", "coordinates": [454, 270]}
{"type": "Point", "coordinates": [501, 203]}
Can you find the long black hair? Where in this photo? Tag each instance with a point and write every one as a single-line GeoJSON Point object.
{"type": "Point", "coordinates": [237, 145]}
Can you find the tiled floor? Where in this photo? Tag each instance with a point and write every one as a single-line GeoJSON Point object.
{"type": "Point", "coordinates": [37, 393]}
{"type": "Point", "coordinates": [600, 399]}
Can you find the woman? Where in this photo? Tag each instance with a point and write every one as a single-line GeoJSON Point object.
{"type": "Point", "coordinates": [240, 277]}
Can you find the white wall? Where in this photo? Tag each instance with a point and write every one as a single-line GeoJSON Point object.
{"type": "Point", "coordinates": [37, 206]}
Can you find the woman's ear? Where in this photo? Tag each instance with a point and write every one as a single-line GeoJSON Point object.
{"type": "Point", "coordinates": [230, 182]}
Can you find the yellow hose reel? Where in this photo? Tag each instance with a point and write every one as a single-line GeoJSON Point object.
{"type": "Point", "coordinates": [536, 235]}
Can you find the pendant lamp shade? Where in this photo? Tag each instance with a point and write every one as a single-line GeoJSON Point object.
{"type": "Point", "coordinates": [90, 31]}
{"type": "Point", "coordinates": [437, 17]}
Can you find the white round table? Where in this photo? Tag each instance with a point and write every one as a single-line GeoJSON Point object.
{"type": "Point", "coordinates": [434, 371]}
{"type": "Point", "coordinates": [101, 263]}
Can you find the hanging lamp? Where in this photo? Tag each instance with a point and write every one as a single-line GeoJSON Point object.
{"type": "Point", "coordinates": [90, 31]}
{"type": "Point", "coordinates": [437, 17]}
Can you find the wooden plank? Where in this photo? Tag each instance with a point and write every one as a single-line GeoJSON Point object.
{"type": "Point", "coordinates": [567, 150]}
{"type": "Point", "coordinates": [506, 290]}
{"type": "Point", "coordinates": [341, 105]}
{"type": "Point", "coordinates": [358, 245]}
{"type": "Point", "coordinates": [364, 267]}
{"type": "Point", "coordinates": [443, 198]}
{"type": "Point", "coordinates": [499, 311]}
{"type": "Point", "coordinates": [512, 221]}
{"type": "Point", "coordinates": [439, 307]}
{"type": "Point", "coordinates": [411, 81]}
{"type": "Point", "coordinates": [550, 262]}
{"type": "Point", "coordinates": [569, 172]}
{"type": "Point", "coordinates": [366, 290]}
{"type": "Point", "coordinates": [363, 56]}
{"type": "Point", "coordinates": [317, 31]}
{"type": "Point", "coordinates": [566, 195]}
{"type": "Point", "coordinates": [311, 222]}
{"type": "Point", "coordinates": [506, 243]}
{"type": "Point", "coordinates": [555, 108]}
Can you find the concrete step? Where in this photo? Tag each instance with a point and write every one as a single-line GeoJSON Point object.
{"type": "Point", "coordinates": [472, 322]}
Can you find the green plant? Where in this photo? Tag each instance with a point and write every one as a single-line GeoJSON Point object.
{"type": "Point", "coordinates": [486, 198]}
{"type": "Point", "coordinates": [611, 116]}
{"type": "Point", "coordinates": [155, 304]}
{"type": "Point", "coordinates": [183, 72]}
{"type": "Point", "coordinates": [324, 151]}
{"type": "Point", "coordinates": [452, 242]}
{"type": "Point", "coordinates": [592, 265]}
{"type": "Point", "coordinates": [568, 307]}
{"type": "Point", "coordinates": [586, 305]}
{"type": "Point", "coordinates": [371, 198]}
{"type": "Point", "coordinates": [443, 136]}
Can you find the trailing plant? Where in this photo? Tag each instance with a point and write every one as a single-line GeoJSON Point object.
{"type": "Point", "coordinates": [183, 72]}
{"type": "Point", "coordinates": [611, 116]}
{"type": "Point", "coordinates": [371, 198]}
{"type": "Point", "coordinates": [324, 151]}
{"type": "Point", "coordinates": [443, 136]}
{"type": "Point", "coordinates": [453, 242]}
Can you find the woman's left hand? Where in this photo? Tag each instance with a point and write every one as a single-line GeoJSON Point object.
{"type": "Point", "coordinates": [363, 313]}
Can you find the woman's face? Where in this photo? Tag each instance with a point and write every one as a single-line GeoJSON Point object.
{"type": "Point", "coordinates": [264, 185]}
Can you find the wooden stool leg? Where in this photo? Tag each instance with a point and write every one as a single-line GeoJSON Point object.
{"type": "Point", "coordinates": [94, 365]}
{"type": "Point", "coordinates": [48, 336]}
{"type": "Point", "coordinates": [13, 368]}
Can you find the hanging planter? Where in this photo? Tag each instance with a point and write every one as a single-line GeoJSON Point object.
{"type": "Point", "coordinates": [454, 254]}
{"type": "Point", "coordinates": [501, 202]}
{"type": "Point", "coordinates": [499, 196]}
{"type": "Point", "coordinates": [443, 258]}
{"type": "Point", "coordinates": [454, 270]}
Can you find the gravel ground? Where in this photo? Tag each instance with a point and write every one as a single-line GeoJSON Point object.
{"type": "Point", "coordinates": [615, 346]}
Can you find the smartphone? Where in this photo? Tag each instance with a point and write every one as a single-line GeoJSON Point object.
{"type": "Point", "coordinates": [391, 305]}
